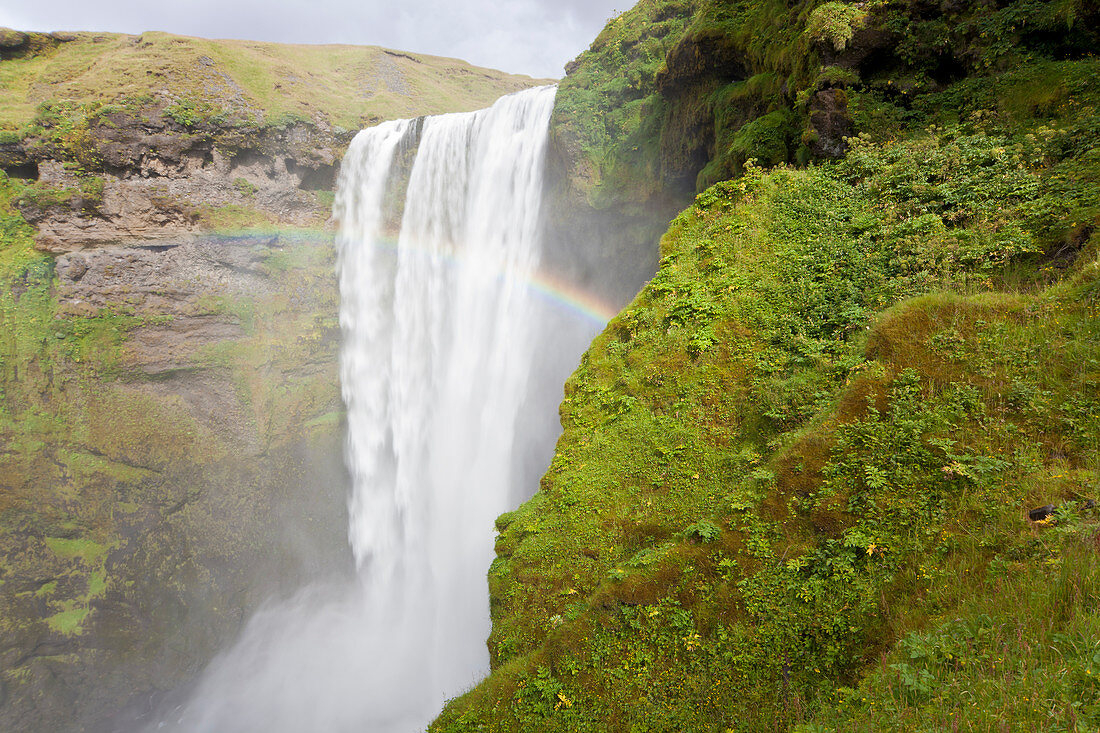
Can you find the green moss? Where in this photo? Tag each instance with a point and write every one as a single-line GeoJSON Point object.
{"type": "Point", "coordinates": [234, 218]}
{"type": "Point", "coordinates": [327, 420]}
{"type": "Point", "coordinates": [606, 103]}
{"type": "Point", "coordinates": [83, 549]}
{"type": "Point", "coordinates": [88, 467]}
{"type": "Point", "coordinates": [835, 22]}
{"type": "Point", "coordinates": [191, 113]}
{"type": "Point", "coordinates": [810, 442]}
{"type": "Point", "coordinates": [973, 669]}
{"type": "Point", "coordinates": [244, 186]}
{"type": "Point", "coordinates": [97, 584]}
{"type": "Point", "coordinates": [68, 622]}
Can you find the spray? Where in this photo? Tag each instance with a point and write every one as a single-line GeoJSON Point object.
{"type": "Point", "coordinates": [439, 343]}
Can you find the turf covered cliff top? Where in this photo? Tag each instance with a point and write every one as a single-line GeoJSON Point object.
{"type": "Point", "coordinates": [347, 86]}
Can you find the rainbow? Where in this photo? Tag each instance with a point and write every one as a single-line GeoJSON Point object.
{"type": "Point", "coordinates": [567, 295]}
{"type": "Point", "coordinates": [548, 286]}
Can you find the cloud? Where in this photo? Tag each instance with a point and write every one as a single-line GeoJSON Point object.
{"type": "Point", "coordinates": [534, 37]}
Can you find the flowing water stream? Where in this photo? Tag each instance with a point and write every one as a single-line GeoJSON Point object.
{"type": "Point", "coordinates": [435, 265]}
{"type": "Point", "coordinates": [438, 350]}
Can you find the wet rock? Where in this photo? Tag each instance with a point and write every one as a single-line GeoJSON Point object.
{"type": "Point", "coordinates": [12, 155]}
{"type": "Point", "coordinates": [162, 180]}
{"type": "Point", "coordinates": [830, 123]}
{"type": "Point", "coordinates": [870, 39]}
{"type": "Point", "coordinates": [1040, 513]}
{"type": "Point", "coordinates": [702, 55]}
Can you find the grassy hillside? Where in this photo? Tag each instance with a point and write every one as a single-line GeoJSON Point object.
{"type": "Point", "coordinates": [678, 94]}
{"type": "Point", "coordinates": [793, 487]}
{"type": "Point", "coordinates": [346, 86]}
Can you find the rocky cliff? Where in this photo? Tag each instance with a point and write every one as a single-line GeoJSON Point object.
{"type": "Point", "coordinates": [169, 402]}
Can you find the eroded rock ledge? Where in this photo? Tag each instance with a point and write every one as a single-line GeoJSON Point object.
{"type": "Point", "coordinates": [112, 177]}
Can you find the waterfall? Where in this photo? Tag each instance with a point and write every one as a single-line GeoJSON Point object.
{"type": "Point", "coordinates": [437, 316]}
{"type": "Point", "coordinates": [435, 367]}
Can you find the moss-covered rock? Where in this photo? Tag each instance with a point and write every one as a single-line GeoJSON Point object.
{"type": "Point", "coordinates": [676, 96]}
{"type": "Point", "coordinates": [170, 417]}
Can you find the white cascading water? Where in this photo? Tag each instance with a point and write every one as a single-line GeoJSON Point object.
{"type": "Point", "coordinates": [434, 369]}
{"type": "Point", "coordinates": [437, 353]}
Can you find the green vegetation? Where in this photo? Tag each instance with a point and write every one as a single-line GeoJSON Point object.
{"type": "Point", "coordinates": [677, 95]}
{"type": "Point", "coordinates": [793, 486]}
{"type": "Point", "coordinates": [606, 103]}
{"type": "Point", "coordinates": [234, 217]}
{"type": "Point", "coordinates": [68, 622]}
{"type": "Point", "coordinates": [835, 22]}
{"type": "Point", "coordinates": [1025, 653]}
{"type": "Point", "coordinates": [347, 86]}
{"type": "Point", "coordinates": [244, 186]}
{"type": "Point", "coordinates": [85, 550]}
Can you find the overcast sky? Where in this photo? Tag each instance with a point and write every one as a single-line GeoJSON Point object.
{"type": "Point", "coordinates": [535, 37]}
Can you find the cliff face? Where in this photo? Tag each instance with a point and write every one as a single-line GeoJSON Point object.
{"type": "Point", "coordinates": [795, 483]}
{"type": "Point", "coordinates": [607, 198]}
{"type": "Point", "coordinates": [675, 95]}
{"type": "Point", "coordinates": [172, 429]}
{"type": "Point", "coordinates": [158, 136]}
{"type": "Point", "coordinates": [169, 401]}
{"type": "Point", "coordinates": [106, 177]}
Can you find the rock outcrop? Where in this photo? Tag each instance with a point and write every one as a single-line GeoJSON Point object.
{"type": "Point", "coordinates": [145, 177]}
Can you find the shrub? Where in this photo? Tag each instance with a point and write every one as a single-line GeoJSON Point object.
{"type": "Point", "coordinates": [835, 22]}
{"type": "Point", "coordinates": [244, 187]}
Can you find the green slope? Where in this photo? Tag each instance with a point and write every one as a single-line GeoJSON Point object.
{"type": "Point", "coordinates": [793, 485]}
{"type": "Point", "coordinates": [347, 86]}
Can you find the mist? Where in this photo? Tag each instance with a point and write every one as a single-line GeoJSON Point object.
{"type": "Point", "coordinates": [452, 368]}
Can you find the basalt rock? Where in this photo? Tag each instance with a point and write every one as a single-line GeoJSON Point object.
{"type": "Point", "coordinates": [830, 123]}
{"type": "Point", "coordinates": [1040, 513]}
{"type": "Point", "coordinates": [695, 68]}
{"type": "Point", "coordinates": [157, 179]}
{"type": "Point", "coordinates": [200, 379]}
{"type": "Point", "coordinates": [198, 456]}
{"type": "Point", "coordinates": [868, 41]}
